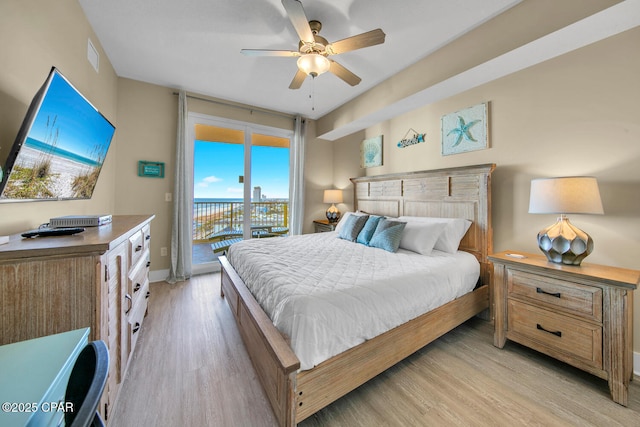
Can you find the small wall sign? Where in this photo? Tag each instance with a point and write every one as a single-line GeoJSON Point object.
{"type": "Point", "coordinates": [151, 169]}
{"type": "Point", "coordinates": [415, 139]}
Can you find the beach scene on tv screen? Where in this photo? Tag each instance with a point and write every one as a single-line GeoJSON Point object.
{"type": "Point", "coordinates": [64, 150]}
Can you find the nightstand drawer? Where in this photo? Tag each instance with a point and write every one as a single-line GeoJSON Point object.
{"type": "Point", "coordinates": [559, 333]}
{"type": "Point", "coordinates": [569, 297]}
{"type": "Point", "coordinates": [323, 225]}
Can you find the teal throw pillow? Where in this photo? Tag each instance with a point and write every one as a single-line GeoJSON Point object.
{"type": "Point", "coordinates": [369, 228]}
{"type": "Point", "coordinates": [388, 235]}
{"type": "Point", "coordinates": [352, 227]}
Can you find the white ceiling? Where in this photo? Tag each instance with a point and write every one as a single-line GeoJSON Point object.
{"type": "Point", "coordinates": [195, 44]}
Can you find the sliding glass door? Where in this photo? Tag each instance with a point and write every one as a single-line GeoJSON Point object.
{"type": "Point", "coordinates": [241, 185]}
{"type": "Point", "coordinates": [269, 185]}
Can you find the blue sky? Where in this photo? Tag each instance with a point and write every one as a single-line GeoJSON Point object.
{"type": "Point", "coordinates": [81, 129]}
{"type": "Point", "coordinates": [217, 167]}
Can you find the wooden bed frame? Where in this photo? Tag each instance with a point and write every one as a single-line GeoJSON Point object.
{"type": "Point", "coordinates": [463, 192]}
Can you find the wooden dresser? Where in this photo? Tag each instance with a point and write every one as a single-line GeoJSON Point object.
{"type": "Point", "coordinates": [98, 279]}
{"type": "Point", "coordinates": [582, 315]}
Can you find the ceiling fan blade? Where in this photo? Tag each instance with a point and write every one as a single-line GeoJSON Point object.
{"type": "Point", "coordinates": [299, 20]}
{"type": "Point", "coordinates": [298, 79]}
{"type": "Point", "coordinates": [268, 52]}
{"type": "Point", "coordinates": [343, 73]}
{"type": "Point", "coordinates": [370, 38]}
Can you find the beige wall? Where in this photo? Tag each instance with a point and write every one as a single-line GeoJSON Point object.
{"type": "Point", "coordinates": [319, 176]}
{"type": "Point", "coordinates": [34, 36]}
{"type": "Point", "coordinates": [573, 115]}
{"type": "Point", "coordinates": [147, 127]}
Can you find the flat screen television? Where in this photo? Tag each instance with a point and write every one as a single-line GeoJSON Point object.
{"type": "Point", "coordinates": [60, 147]}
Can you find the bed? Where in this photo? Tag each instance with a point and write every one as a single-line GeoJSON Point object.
{"type": "Point", "coordinates": [297, 390]}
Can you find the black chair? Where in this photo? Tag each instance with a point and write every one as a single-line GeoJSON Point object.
{"type": "Point", "coordinates": [86, 384]}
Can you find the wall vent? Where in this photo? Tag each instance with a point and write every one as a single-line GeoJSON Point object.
{"type": "Point", "coordinates": [93, 56]}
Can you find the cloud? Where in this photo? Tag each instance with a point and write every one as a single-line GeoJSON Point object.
{"type": "Point", "coordinates": [208, 180]}
{"type": "Point", "coordinates": [211, 179]}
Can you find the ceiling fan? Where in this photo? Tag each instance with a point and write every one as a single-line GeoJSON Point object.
{"type": "Point", "coordinates": [314, 50]}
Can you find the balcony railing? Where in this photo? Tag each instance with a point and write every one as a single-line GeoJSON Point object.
{"type": "Point", "coordinates": [218, 220]}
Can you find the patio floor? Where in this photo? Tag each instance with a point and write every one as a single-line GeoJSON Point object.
{"type": "Point", "coordinates": [202, 253]}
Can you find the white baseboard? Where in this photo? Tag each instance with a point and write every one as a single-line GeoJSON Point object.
{"type": "Point", "coordinates": [161, 275]}
{"type": "Point", "coordinates": [636, 364]}
{"type": "Point", "coordinates": [158, 275]}
{"type": "Point", "coordinates": [208, 267]}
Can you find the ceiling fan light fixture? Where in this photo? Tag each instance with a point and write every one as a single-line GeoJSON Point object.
{"type": "Point", "coordinates": [313, 64]}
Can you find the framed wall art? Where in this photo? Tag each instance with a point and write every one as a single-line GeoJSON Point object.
{"type": "Point", "coordinates": [371, 152]}
{"type": "Point", "coordinates": [465, 130]}
{"type": "Point", "coordinates": [150, 169]}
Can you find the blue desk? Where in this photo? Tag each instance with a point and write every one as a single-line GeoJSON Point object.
{"type": "Point", "coordinates": [34, 376]}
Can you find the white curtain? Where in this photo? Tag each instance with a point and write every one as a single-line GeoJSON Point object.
{"type": "Point", "coordinates": [296, 170]}
{"type": "Point", "coordinates": [182, 210]}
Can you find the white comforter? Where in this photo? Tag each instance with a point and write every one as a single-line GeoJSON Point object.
{"type": "Point", "coordinates": [329, 294]}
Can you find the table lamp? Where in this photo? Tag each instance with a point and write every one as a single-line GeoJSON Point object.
{"type": "Point", "coordinates": [333, 197]}
{"type": "Point", "coordinates": [563, 243]}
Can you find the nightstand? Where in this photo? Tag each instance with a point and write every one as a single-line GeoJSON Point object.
{"type": "Point", "coordinates": [323, 225]}
{"type": "Point", "coordinates": [582, 315]}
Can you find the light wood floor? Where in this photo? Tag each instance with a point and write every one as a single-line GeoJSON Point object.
{"type": "Point", "coordinates": [190, 369]}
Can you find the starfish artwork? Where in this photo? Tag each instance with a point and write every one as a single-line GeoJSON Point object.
{"type": "Point", "coordinates": [463, 131]}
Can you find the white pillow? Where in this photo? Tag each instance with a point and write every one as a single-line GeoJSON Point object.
{"type": "Point", "coordinates": [344, 217]}
{"type": "Point", "coordinates": [451, 235]}
{"type": "Point", "coordinates": [421, 237]}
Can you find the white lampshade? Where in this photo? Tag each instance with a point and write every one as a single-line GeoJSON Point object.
{"type": "Point", "coordinates": [313, 64]}
{"type": "Point", "coordinates": [332, 196]}
{"type": "Point", "coordinates": [573, 194]}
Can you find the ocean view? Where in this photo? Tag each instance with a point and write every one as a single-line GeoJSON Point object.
{"type": "Point", "coordinates": [211, 216]}
{"type": "Point", "coordinates": [215, 200]}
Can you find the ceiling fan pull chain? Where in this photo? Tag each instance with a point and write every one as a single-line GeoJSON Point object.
{"type": "Point", "coordinates": [312, 95]}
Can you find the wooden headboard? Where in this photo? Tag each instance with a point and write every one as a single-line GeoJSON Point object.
{"type": "Point", "coordinates": [462, 192]}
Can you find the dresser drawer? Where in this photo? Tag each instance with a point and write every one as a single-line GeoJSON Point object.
{"type": "Point", "coordinates": [136, 247]}
{"type": "Point", "coordinates": [135, 318]}
{"type": "Point", "coordinates": [146, 236]}
{"type": "Point", "coordinates": [138, 279]}
{"type": "Point", "coordinates": [556, 332]}
{"type": "Point", "coordinates": [569, 297]}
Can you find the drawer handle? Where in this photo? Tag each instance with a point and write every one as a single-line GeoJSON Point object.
{"type": "Point", "coordinates": [136, 328]}
{"type": "Point", "coordinates": [540, 291]}
{"type": "Point", "coordinates": [148, 294]}
{"type": "Point", "coordinates": [147, 237]}
{"type": "Point", "coordinates": [138, 248]}
{"type": "Point", "coordinates": [540, 328]}
{"type": "Point", "coordinates": [137, 287]}
{"type": "Point", "coordinates": [148, 263]}
{"type": "Point", "coordinates": [128, 297]}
